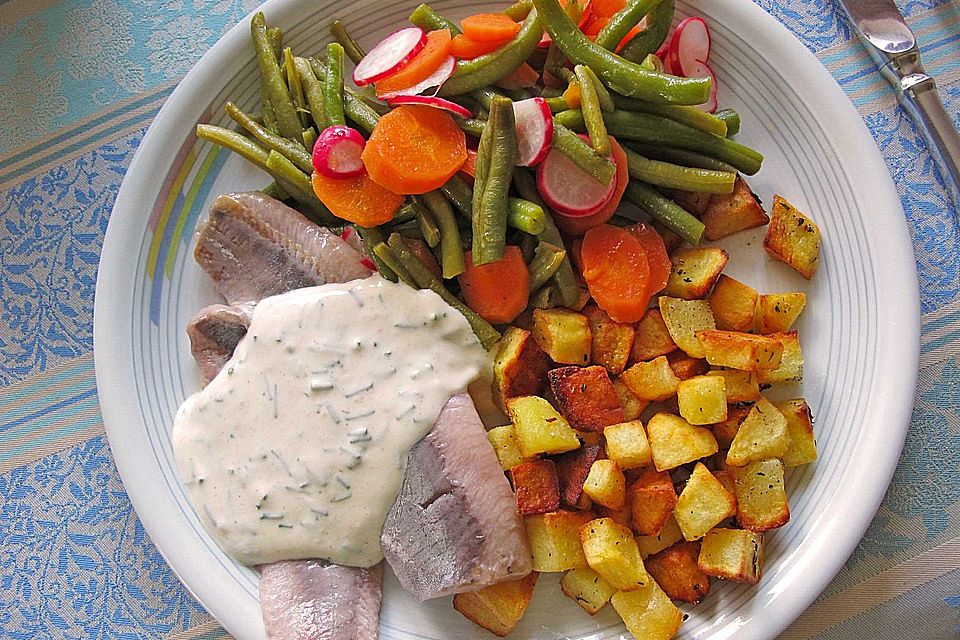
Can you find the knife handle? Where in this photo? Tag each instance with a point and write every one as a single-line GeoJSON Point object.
{"type": "Point", "coordinates": [920, 99]}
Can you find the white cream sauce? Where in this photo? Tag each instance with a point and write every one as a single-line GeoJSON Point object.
{"type": "Point", "coordinates": [297, 448]}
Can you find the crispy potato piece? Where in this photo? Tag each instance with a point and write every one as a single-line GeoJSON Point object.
{"type": "Point", "coordinates": [686, 367]}
{"type": "Point", "coordinates": [555, 540]}
{"type": "Point", "coordinates": [732, 213]}
{"type": "Point", "coordinates": [519, 368]}
{"type": "Point", "coordinates": [703, 504]}
{"type": "Point", "coordinates": [612, 552]}
{"type": "Point", "coordinates": [586, 397]}
{"type": "Point", "coordinates": [762, 434]}
{"type": "Point", "coordinates": [539, 428]}
{"type": "Point", "coordinates": [648, 613]}
{"type": "Point", "coordinates": [776, 312]}
{"type": "Point", "coordinates": [651, 338]}
{"type": "Point", "coordinates": [761, 496]}
{"type": "Point", "coordinates": [732, 554]}
{"type": "Point", "coordinates": [668, 535]}
{"type": "Point", "coordinates": [743, 351]}
{"type": "Point", "coordinates": [676, 571]}
{"type": "Point", "coordinates": [611, 342]}
{"type": "Point", "coordinates": [563, 335]}
{"type": "Point", "coordinates": [499, 607]}
{"type": "Point", "coordinates": [632, 405]}
{"type": "Point", "coordinates": [674, 441]}
{"type": "Point", "coordinates": [652, 498]}
{"type": "Point", "coordinates": [791, 360]}
{"type": "Point", "coordinates": [536, 487]}
{"type": "Point", "coordinates": [726, 478]}
{"type": "Point", "coordinates": [803, 447]}
{"type": "Point", "coordinates": [693, 201]}
{"type": "Point", "coordinates": [620, 516]}
{"type": "Point", "coordinates": [627, 444]}
{"type": "Point", "coordinates": [793, 238]}
{"type": "Point", "coordinates": [726, 431]}
{"type": "Point", "coordinates": [653, 380]}
{"type": "Point", "coordinates": [733, 304]}
{"type": "Point", "coordinates": [573, 468]}
{"type": "Point", "coordinates": [684, 318]}
{"type": "Point", "coordinates": [694, 272]}
{"type": "Point", "coordinates": [587, 589]}
{"type": "Point", "coordinates": [504, 441]}
{"type": "Point", "coordinates": [702, 400]}
{"type": "Point", "coordinates": [606, 485]}
{"type": "Point", "coordinates": [741, 386]}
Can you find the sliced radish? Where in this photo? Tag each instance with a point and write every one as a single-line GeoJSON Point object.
{"type": "Point", "coordinates": [703, 70]}
{"type": "Point", "coordinates": [390, 55]}
{"type": "Point", "coordinates": [336, 153]}
{"type": "Point", "coordinates": [568, 189]}
{"type": "Point", "coordinates": [691, 44]}
{"type": "Point", "coordinates": [432, 101]}
{"type": "Point", "coordinates": [534, 130]}
{"type": "Point", "coordinates": [438, 77]}
{"type": "Point", "coordinates": [523, 77]}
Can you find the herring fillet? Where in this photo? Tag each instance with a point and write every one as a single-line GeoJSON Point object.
{"type": "Point", "coordinates": [316, 600]}
{"type": "Point", "coordinates": [214, 333]}
{"type": "Point", "coordinates": [454, 526]}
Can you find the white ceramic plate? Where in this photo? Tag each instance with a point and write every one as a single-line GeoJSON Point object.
{"type": "Point", "coordinates": [859, 332]}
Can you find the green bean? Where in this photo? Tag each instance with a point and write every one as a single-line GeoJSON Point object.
{"type": "Point", "coordinates": [388, 257]}
{"type": "Point", "coordinates": [426, 224]}
{"type": "Point", "coordinates": [668, 212]}
{"type": "Point", "coordinates": [519, 10]}
{"type": "Point", "coordinates": [312, 91]}
{"type": "Point", "coordinates": [606, 100]}
{"type": "Point", "coordinates": [487, 69]}
{"type": "Point", "coordinates": [266, 111]}
{"type": "Point", "coordinates": [547, 259]}
{"type": "Point", "coordinates": [296, 89]}
{"type": "Point", "coordinates": [517, 94]}
{"type": "Point", "coordinates": [499, 146]}
{"type": "Point", "coordinates": [452, 261]}
{"type": "Point", "coordinates": [272, 190]}
{"type": "Point", "coordinates": [554, 61]}
{"type": "Point", "coordinates": [681, 157]}
{"type": "Point", "coordinates": [275, 36]}
{"type": "Point", "coordinates": [333, 86]}
{"type": "Point", "coordinates": [350, 46]}
{"type": "Point", "coordinates": [291, 150]}
{"type": "Point", "coordinates": [687, 115]}
{"type": "Point", "coordinates": [622, 21]}
{"type": "Point", "coordinates": [309, 138]}
{"type": "Point", "coordinates": [582, 154]}
{"type": "Point", "coordinates": [652, 63]}
{"type": "Point", "coordinates": [657, 130]}
{"type": "Point", "coordinates": [526, 216]}
{"type": "Point", "coordinates": [732, 120]}
{"type": "Point", "coordinates": [406, 213]}
{"type": "Point", "coordinates": [672, 176]}
{"type": "Point", "coordinates": [472, 126]}
{"type": "Point", "coordinates": [550, 92]}
{"type": "Point", "coordinates": [356, 109]}
{"type": "Point", "coordinates": [653, 35]}
{"type": "Point", "coordinates": [557, 104]}
{"type": "Point", "coordinates": [373, 236]}
{"type": "Point", "coordinates": [592, 115]}
{"type": "Point", "coordinates": [429, 20]}
{"type": "Point", "coordinates": [297, 183]}
{"type": "Point", "coordinates": [288, 121]}
{"type": "Point", "coordinates": [546, 298]}
{"type": "Point", "coordinates": [459, 193]}
{"type": "Point", "coordinates": [425, 279]}
{"type": "Point", "coordinates": [619, 74]}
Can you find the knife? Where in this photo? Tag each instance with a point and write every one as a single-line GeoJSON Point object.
{"type": "Point", "coordinates": [893, 47]}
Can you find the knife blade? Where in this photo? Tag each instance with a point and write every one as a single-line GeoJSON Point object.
{"type": "Point", "coordinates": [892, 45]}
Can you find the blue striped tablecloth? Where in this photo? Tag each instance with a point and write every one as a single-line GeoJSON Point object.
{"type": "Point", "coordinates": [80, 81]}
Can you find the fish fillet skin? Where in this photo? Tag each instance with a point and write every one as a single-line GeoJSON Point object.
{"type": "Point", "coordinates": [254, 246]}
{"type": "Point", "coordinates": [316, 600]}
{"type": "Point", "coordinates": [214, 333]}
{"type": "Point", "coordinates": [454, 526]}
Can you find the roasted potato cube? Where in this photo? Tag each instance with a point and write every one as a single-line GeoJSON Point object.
{"type": "Point", "coordinates": [676, 571]}
{"type": "Point", "coordinates": [674, 441]}
{"type": "Point", "coordinates": [733, 304]}
{"type": "Point", "coordinates": [612, 552]}
{"type": "Point", "coordinates": [726, 478]}
{"type": "Point", "coordinates": [793, 238]}
{"type": "Point", "coordinates": [686, 367]}
{"type": "Point", "coordinates": [573, 468]}
{"type": "Point", "coordinates": [761, 496]}
{"type": "Point", "coordinates": [586, 397]}
{"type": "Point", "coordinates": [504, 441]}
{"type": "Point", "coordinates": [743, 351]}
{"type": "Point", "coordinates": [732, 554]}
{"type": "Point", "coordinates": [536, 487]}
{"type": "Point", "coordinates": [563, 335]}
{"type": "Point", "coordinates": [519, 368]}
{"type": "Point", "coordinates": [776, 312]}
{"type": "Point", "coordinates": [726, 431]}
{"type": "Point", "coordinates": [555, 540]}
{"type": "Point", "coordinates": [703, 504]}
{"type": "Point", "coordinates": [651, 338]}
{"type": "Point", "coordinates": [702, 399]}
{"type": "Point", "coordinates": [694, 202]}
{"type": "Point", "coordinates": [802, 447]}
{"type": "Point", "coordinates": [539, 428]}
{"type": "Point", "coordinates": [732, 213]}
{"type": "Point", "coordinates": [627, 444]}
{"type": "Point", "coordinates": [499, 607]}
{"type": "Point", "coordinates": [668, 535]}
{"type": "Point", "coordinates": [791, 361]}
{"type": "Point", "coordinates": [741, 386]}
{"type": "Point", "coordinates": [612, 341]}
{"type": "Point", "coordinates": [587, 589]}
{"type": "Point", "coordinates": [653, 380]}
{"type": "Point", "coordinates": [632, 405]}
{"type": "Point", "coordinates": [762, 434]}
{"type": "Point", "coordinates": [648, 613]}
{"type": "Point", "coordinates": [620, 516]}
{"type": "Point", "coordinates": [652, 498]}
{"type": "Point", "coordinates": [606, 485]}
{"type": "Point", "coordinates": [684, 318]}
{"type": "Point", "coordinates": [694, 272]}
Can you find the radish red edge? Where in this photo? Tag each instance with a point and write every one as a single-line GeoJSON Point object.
{"type": "Point", "coordinates": [702, 70]}
{"type": "Point", "coordinates": [569, 190]}
{"type": "Point", "coordinates": [390, 55]}
{"type": "Point", "coordinates": [690, 44]}
{"type": "Point", "coordinates": [431, 101]}
{"type": "Point", "coordinates": [438, 77]}
{"type": "Point", "coordinates": [336, 153]}
{"type": "Point", "coordinates": [534, 123]}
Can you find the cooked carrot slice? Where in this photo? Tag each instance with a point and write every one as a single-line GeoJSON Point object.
{"type": "Point", "coordinates": [414, 149]}
{"type": "Point", "coordinates": [489, 27]}
{"type": "Point", "coordinates": [421, 66]}
{"type": "Point", "coordinates": [359, 200]}
{"type": "Point", "coordinates": [498, 290]}
{"type": "Point", "coordinates": [466, 48]}
{"type": "Point", "coordinates": [627, 38]}
{"type": "Point", "coordinates": [577, 226]}
{"type": "Point", "coordinates": [572, 95]}
{"type": "Point", "coordinates": [470, 166]}
{"type": "Point", "coordinates": [600, 13]}
{"type": "Point", "coordinates": [656, 252]}
{"type": "Point", "coordinates": [616, 271]}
